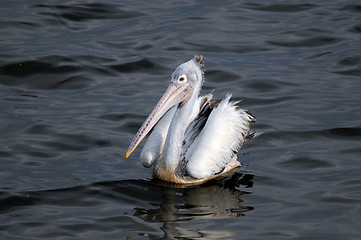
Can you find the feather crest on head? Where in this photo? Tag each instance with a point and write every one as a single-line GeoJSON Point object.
{"type": "Point", "coordinates": [199, 59]}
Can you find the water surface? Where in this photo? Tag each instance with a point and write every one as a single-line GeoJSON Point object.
{"type": "Point", "coordinates": [78, 78]}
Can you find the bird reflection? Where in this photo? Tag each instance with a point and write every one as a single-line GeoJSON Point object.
{"type": "Point", "coordinates": [132, 208]}
{"type": "Point", "coordinates": [214, 200]}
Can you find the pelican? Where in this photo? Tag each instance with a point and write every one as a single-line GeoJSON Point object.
{"type": "Point", "coordinates": [194, 139]}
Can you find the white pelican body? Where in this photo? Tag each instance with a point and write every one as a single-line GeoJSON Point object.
{"type": "Point", "coordinates": [196, 139]}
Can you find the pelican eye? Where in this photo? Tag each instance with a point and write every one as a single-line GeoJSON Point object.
{"type": "Point", "coordinates": [182, 79]}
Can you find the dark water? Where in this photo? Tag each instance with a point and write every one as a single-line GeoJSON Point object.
{"type": "Point", "coordinates": [77, 78]}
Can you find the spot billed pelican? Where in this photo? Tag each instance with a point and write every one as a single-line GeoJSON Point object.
{"type": "Point", "coordinates": [194, 138]}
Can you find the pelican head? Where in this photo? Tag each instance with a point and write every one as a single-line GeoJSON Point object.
{"type": "Point", "coordinates": [190, 73]}
{"type": "Point", "coordinates": [186, 82]}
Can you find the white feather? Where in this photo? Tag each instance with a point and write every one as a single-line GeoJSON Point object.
{"type": "Point", "coordinates": [198, 105]}
{"type": "Point", "coordinates": [220, 138]}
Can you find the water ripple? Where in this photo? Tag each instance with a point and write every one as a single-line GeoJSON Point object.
{"type": "Point", "coordinates": [218, 200]}
{"type": "Point", "coordinates": [308, 42]}
{"type": "Point", "coordinates": [85, 12]}
{"type": "Point", "coordinates": [78, 78]}
{"type": "Point", "coordinates": [287, 8]}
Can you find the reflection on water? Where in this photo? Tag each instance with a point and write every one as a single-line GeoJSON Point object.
{"type": "Point", "coordinates": [135, 205]}
{"type": "Point", "coordinates": [216, 200]}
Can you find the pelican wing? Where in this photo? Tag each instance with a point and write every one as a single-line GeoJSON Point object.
{"type": "Point", "coordinates": [213, 143]}
{"type": "Point", "coordinates": [205, 107]}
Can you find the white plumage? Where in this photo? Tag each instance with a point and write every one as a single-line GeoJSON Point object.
{"type": "Point", "coordinates": [196, 139]}
{"type": "Point", "coordinates": [220, 139]}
